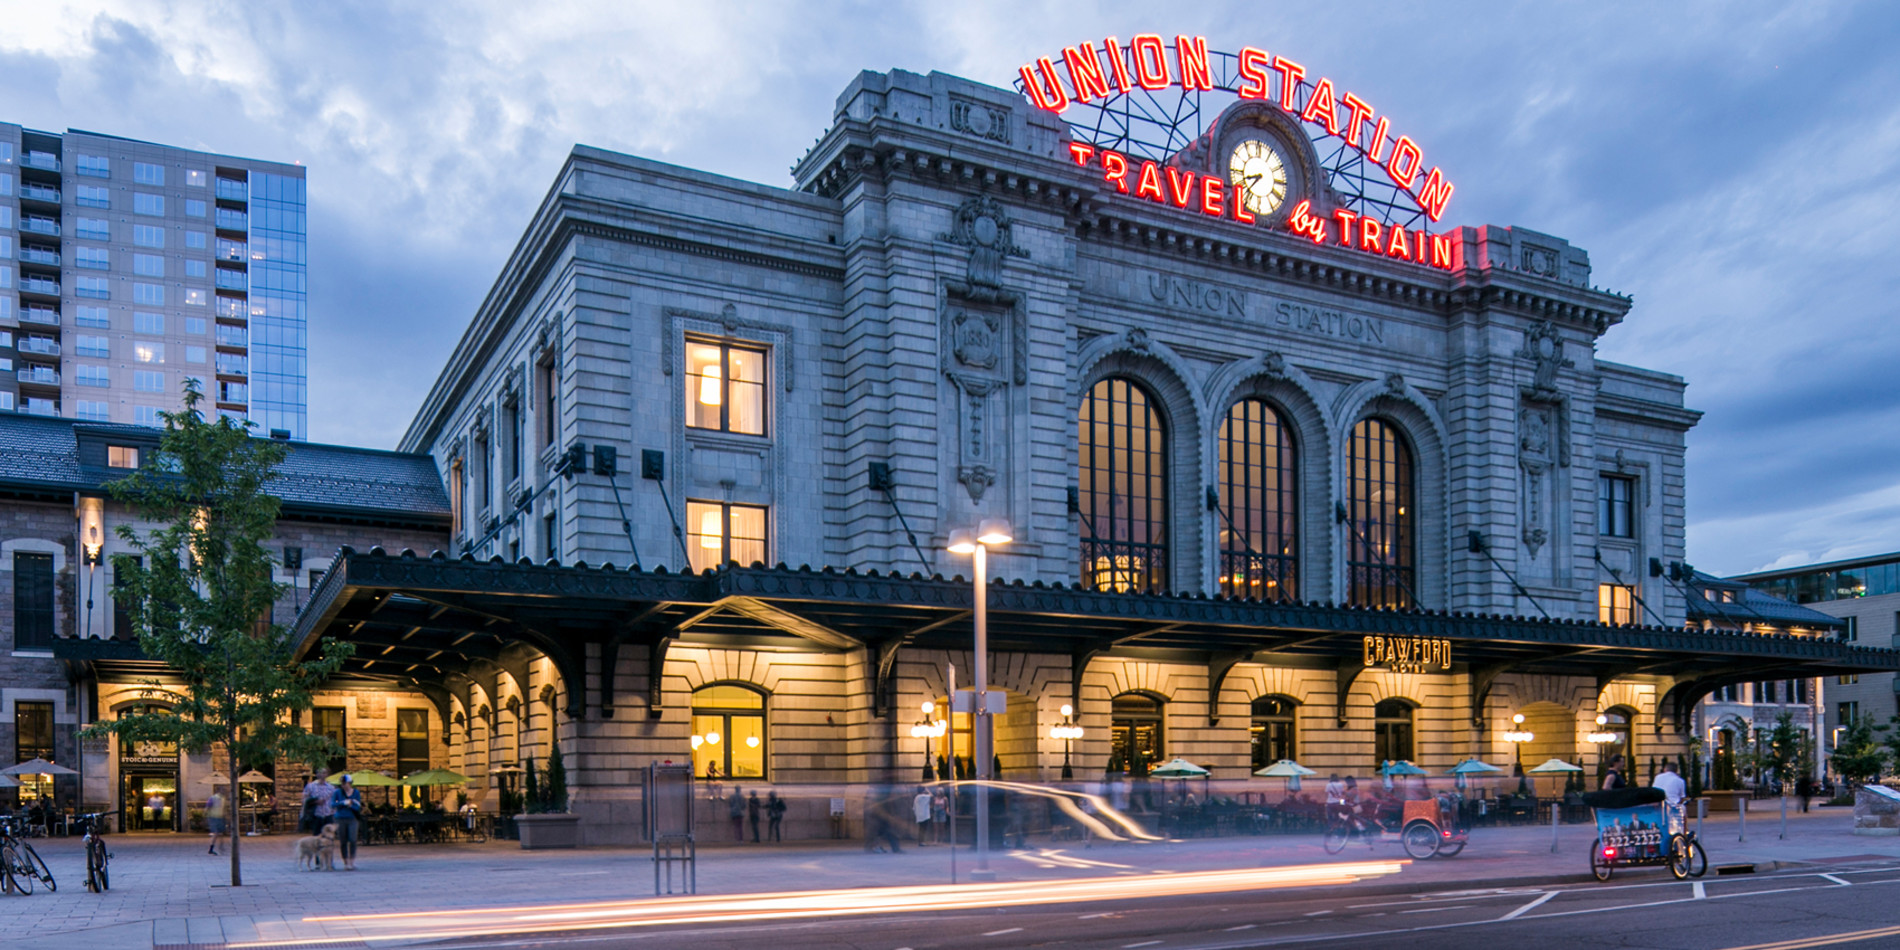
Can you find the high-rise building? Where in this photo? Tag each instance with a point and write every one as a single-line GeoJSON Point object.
{"type": "Point", "coordinates": [127, 268]}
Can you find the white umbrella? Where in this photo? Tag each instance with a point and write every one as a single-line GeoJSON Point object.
{"type": "Point", "coordinates": [1553, 766]}
{"type": "Point", "coordinates": [215, 778]}
{"type": "Point", "coordinates": [37, 767]}
{"type": "Point", "coordinates": [254, 777]}
{"type": "Point", "coordinates": [1177, 768]}
{"type": "Point", "coordinates": [8, 781]}
{"type": "Point", "coordinates": [1286, 769]}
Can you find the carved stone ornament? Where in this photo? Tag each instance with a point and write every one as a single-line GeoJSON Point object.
{"type": "Point", "coordinates": [1138, 340]}
{"type": "Point", "coordinates": [976, 479]}
{"type": "Point", "coordinates": [1395, 384]}
{"type": "Point", "coordinates": [1544, 347]}
{"type": "Point", "coordinates": [979, 119]}
{"type": "Point", "coordinates": [981, 225]}
{"type": "Point", "coordinates": [1540, 261]}
{"type": "Point", "coordinates": [1273, 366]}
{"type": "Point", "coordinates": [975, 338]}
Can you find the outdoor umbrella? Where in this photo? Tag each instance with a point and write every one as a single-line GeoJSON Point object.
{"type": "Point", "coordinates": [215, 778]}
{"type": "Point", "coordinates": [1470, 767]}
{"type": "Point", "coordinates": [1398, 767]}
{"type": "Point", "coordinates": [1553, 767]}
{"type": "Point", "coordinates": [364, 780]}
{"type": "Point", "coordinates": [1182, 769]}
{"type": "Point", "coordinates": [434, 777]}
{"type": "Point", "coordinates": [254, 777]}
{"type": "Point", "coordinates": [1286, 769]}
{"type": "Point", "coordinates": [8, 781]}
{"type": "Point", "coordinates": [37, 767]}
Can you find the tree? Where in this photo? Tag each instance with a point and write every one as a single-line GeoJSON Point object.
{"type": "Point", "coordinates": [1782, 749]}
{"type": "Point", "coordinates": [536, 803]}
{"type": "Point", "coordinates": [557, 781]}
{"type": "Point", "coordinates": [200, 593]}
{"type": "Point", "coordinates": [1858, 754]}
{"type": "Point", "coordinates": [1891, 739]}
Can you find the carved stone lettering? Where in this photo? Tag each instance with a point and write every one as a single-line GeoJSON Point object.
{"type": "Point", "coordinates": [1320, 321]}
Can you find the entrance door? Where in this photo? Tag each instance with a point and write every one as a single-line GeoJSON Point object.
{"type": "Point", "coordinates": [148, 802]}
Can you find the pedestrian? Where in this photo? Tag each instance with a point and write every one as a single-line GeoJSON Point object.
{"type": "Point", "coordinates": [346, 808]}
{"type": "Point", "coordinates": [774, 815]}
{"type": "Point", "coordinates": [877, 822]}
{"type": "Point", "coordinates": [752, 808]}
{"type": "Point", "coordinates": [1613, 776]}
{"type": "Point", "coordinates": [1335, 797]}
{"type": "Point", "coordinates": [214, 817]}
{"type": "Point", "coordinates": [318, 799]}
{"type": "Point", "coordinates": [1804, 787]}
{"type": "Point", "coordinates": [920, 810]}
{"type": "Point", "coordinates": [735, 810]}
{"type": "Point", "coordinates": [940, 816]}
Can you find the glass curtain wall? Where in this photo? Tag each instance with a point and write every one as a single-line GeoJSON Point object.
{"type": "Point", "coordinates": [279, 336]}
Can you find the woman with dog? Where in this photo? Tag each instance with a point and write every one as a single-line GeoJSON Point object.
{"type": "Point", "coordinates": [348, 810]}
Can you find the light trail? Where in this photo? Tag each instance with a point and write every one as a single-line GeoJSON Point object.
{"type": "Point", "coordinates": [789, 905]}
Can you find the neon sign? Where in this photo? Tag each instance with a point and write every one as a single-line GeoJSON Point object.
{"type": "Point", "coordinates": [1408, 654]}
{"type": "Point", "coordinates": [1091, 72]}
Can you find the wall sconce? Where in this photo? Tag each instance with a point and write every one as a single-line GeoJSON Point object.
{"type": "Point", "coordinates": [92, 535]}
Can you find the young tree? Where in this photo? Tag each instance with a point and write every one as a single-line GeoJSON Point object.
{"type": "Point", "coordinates": [1858, 755]}
{"type": "Point", "coordinates": [1782, 750]}
{"type": "Point", "coordinates": [200, 593]}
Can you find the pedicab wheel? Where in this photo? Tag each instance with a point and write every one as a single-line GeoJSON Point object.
{"type": "Point", "coordinates": [1599, 865]}
{"type": "Point", "coordinates": [1450, 849]}
{"type": "Point", "coordinates": [1421, 840]}
{"type": "Point", "coordinates": [1698, 859]}
{"type": "Point", "coordinates": [1679, 857]}
{"type": "Point", "coordinates": [1335, 840]}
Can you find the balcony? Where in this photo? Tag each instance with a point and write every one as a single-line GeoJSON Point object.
{"type": "Point", "coordinates": [39, 285]}
{"type": "Point", "coordinates": [45, 161]}
{"type": "Point", "coordinates": [34, 255]}
{"type": "Point", "coordinates": [229, 220]}
{"type": "Point", "coordinates": [40, 315]}
{"type": "Point", "coordinates": [233, 307]}
{"type": "Point", "coordinates": [46, 226]}
{"type": "Point", "coordinates": [232, 251]}
{"type": "Point", "coordinates": [38, 376]}
{"type": "Point", "coordinates": [233, 364]}
{"type": "Point", "coordinates": [233, 336]}
{"type": "Point", "coordinates": [233, 280]}
{"type": "Point", "coordinates": [33, 192]}
{"type": "Point", "coordinates": [229, 190]}
{"type": "Point", "coordinates": [38, 345]}
{"type": "Point", "coordinates": [40, 407]}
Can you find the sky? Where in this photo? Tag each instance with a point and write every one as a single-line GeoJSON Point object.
{"type": "Point", "coordinates": [1733, 167]}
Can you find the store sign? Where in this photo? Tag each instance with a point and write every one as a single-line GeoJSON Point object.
{"type": "Point", "coordinates": [1089, 72]}
{"type": "Point", "coordinates": [148, 753]}
{"type": "Point", "coordinates": [1409, 654]}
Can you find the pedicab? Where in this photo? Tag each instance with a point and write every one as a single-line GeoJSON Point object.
{"type": "Point", "coordinates": [1425, 828]}
{"type": "Point", "coordinates": [1634, 829]}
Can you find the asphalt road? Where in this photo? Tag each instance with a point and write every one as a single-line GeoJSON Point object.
{"type": "Point", "coordinates": [1852, 906]}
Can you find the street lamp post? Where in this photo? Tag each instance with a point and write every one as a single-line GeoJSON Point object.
{"type": "Point", "coordinates": [1517, 737]}
{"type": "Point", "coordinates": [993, 532]}
{"type": "Point", "coordinates": [1068, 732]}
{"type": "Point", "coordinates": [1600, 738]}
{"type": "Point", "coordinates": [928, 729]}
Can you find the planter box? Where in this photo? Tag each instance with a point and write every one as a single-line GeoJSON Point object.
{"type": "Point", "coordinates": [542, 832]}
{"type": "Point", "coordinates": [1727, 801]}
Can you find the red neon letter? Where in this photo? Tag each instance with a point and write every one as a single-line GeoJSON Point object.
{"type": "Point", "coordinates": [1434, 194]}
{"type": "Point", "coordinates": [1047, 94]}
{"type": "Point", "coordinates": [1379, 132]}
{"type": "Point", "coordinates": [1398, 246]}
{"type": "Point", "coordinates": [1080, 152]}
{"type": "Point", "coordinates": [1213, 197]}
{"type": "Point", "coordinates": [1290, 75]}
{"type": "Point", "coordinates": [1117, 63]}
{"type": "Point", "coordinates": [1181, 189]}
{"type": "Point", "coordinates": [1085, 72]}
{"type": "Point", "coordinates": [1369, 235]}
{"type": "Point", "coordinates": [1242, 213]}
{"type": "Point", "coordinates": [1320, 105]}
{"type": "Point", "coordinates": [1422, 241]}
{"type": "Point", "coordinates": [1443, 252]}
{"type": "Point", "coordinates": [1403, 166]}
{"type": "Point", "coordinates": [1345, 226]}
{"type": "Point", "coordinates": [1301, 221]}
{"type": "Point", "coordinates": [1191, 56]}
{"type": "Point", "coordinates": [1360, 113]}
{"type": "Point", "coordinates": [1115, 169]}
{"type": "Point", "coordinates": [1151, 61]}
{"type": "Point", "coordinates": [1150, 184]}
{"type": "Point", "coordinates": [1253, 73]}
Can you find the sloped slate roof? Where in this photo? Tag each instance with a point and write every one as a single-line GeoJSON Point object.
{"type": "Point", "coordinates": [42, 453]}
{"type": "Point", "coordinates": [1752, 606]}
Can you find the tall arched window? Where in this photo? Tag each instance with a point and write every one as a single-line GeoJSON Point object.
{"type": "Point", "coordinates": [1135, 733]}
{"type": "Point", "coordinates": [1122, 450]}
{"type": "Point", "coordinates": [1381, 560]}
{"type": "Point", "coordinates": [1258, 531]}
{"type": "Point", "coordinates": [1392, 731]}
{"type": "Point", "coordinates": [1273, 735]}
{"type": "Point", "coordinates": [728, 732]}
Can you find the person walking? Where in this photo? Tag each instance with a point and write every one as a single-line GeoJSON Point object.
{"type": "Point", "coordinates": [347, 810]}
{"type": "Point", "coordinates": [920, 810]}
{"type": "Point", "coordinates": [1613, 776]}
{"type": "Point", "coordinates": [877, 822]}
{"type": "Point", "coordinates": [319, 797]}
{"type": "Point", "coordinates": [214, 817]}
{"type": "Point", "coordinates": [774, 814]}
{"type": "Point", "coordinates": [1804, 787]}
{"type": "Point", "coordinates": [735, 810]}
{"type": "Point", "coordinates": [940, 816]}
{"type": "Point", "coordinates": [752, 809]}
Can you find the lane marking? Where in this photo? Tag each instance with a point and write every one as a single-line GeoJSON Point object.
{"type": "Point", "coordinates": [999, 933]}
{"type": "Point", "coordinates": [1106, 913]}
{"type": "Point", "coordinates": [1246, 926]}
{"type": "Point", "coordinates": [1527, 908]}
{"type": "Point", "coordinates": [1823, 941]}
{"type": "Point", "coordinates": [1144, 943]}
{"type": "Point", "coordinates": [1434, 910]}
{"type": "Point", "coordinates": [1701, 893]}
{"type": "Point", "coordinates": [1317, 913]}
{"type": "Point", "coordinates": [1838, 880]}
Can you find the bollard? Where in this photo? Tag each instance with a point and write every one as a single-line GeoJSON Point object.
{"type": "Point", "coordinates": [1784, 817]}
{"type": "Point", "coordinates": [1555, 809]}
{"type": "Point", "coordinates": [1741, 810]}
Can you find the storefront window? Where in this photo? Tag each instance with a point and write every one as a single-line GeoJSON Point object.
{"type": "Point", "coordinates": [728, 732]}
{"type": "Point", "coordinates": [1258, 529]}
{"type": "Point", "coordinates": [1380, 558]}
{"type": "Point", "coordinates": [725, 388]}
{"type": "Point", "coordinates": [1123, 489]}
{"type": "Point", "coordinates": [1273, 731]}
{"type": "Point", "coordinates": [412, 748]}
{"type": "Point", "coordinates": [1136, 738]}
{"type": "Point", "coordinates": [33, 739]}
{"type": "Point", "coordinates": [1392, 731]}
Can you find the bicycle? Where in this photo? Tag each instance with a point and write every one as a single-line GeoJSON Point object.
{"type": "Point", "coordinates": [97, 857]}
{"type": "Point", "coordinates": [1686, 856]}
{"type": "Point", "coordinates": [20, 865]}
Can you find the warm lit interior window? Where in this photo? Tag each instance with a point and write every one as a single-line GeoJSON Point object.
{"type": "Point", "coordinates": [1381, 543]}
{"type": "Point", "coordinates": [122, 456]}
{"type": "Point", "coordinates": [1256, 526]}
{"type": "Point", "coordinates": [728, 732]}
{"type": "Point", "coordinates": [725, 388]}
{"type": "Point", "coordinates": [1122, 483]}
{"type": "Point", "coordinates": [1616, 603]}
{"type": "Point", "coordinates": [717, 532]}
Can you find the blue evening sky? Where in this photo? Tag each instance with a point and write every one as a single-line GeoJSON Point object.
{"type": "Point", "coordinates": [1734, 167]}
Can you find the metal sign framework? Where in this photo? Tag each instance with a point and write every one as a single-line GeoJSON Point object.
{"type": "Point", "coordinates": [1158, 123]}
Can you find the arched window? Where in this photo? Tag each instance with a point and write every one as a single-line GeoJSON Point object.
{"type": "Point", "coordinates": [1135, 737]}
{"type": "Point", "coordinates": [728, 732]}
{"type": "Point", "coordinates": [1381, 562]}
{"type": "Point", "coordinates": [1258, 529]}
{"type": "Point", "coordinates": [1392, 731]}
{"type": "Point", "coordinates": [1274, 737]}
{"type": "Point", "coordinates": [1123, 449]}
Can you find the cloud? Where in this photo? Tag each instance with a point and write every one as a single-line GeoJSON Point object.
{"type": "Point", "coordinates": [1733, 167]}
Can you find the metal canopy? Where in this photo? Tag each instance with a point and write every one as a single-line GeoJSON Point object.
{"type": "Point", "coordinates": [427, 621]}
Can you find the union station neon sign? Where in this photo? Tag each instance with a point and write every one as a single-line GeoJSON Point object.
{"type": "Point", "coordinates": [1098, 72]}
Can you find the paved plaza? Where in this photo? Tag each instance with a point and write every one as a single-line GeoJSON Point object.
{"type": "Point", "coordinates": [166, 891]}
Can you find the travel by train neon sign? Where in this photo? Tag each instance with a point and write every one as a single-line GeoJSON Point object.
{"type": "Point", "coordinates": [1389, 218]}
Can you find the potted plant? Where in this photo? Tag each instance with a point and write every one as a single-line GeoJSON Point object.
{"type": "Point", "coordinates": [547, 823]}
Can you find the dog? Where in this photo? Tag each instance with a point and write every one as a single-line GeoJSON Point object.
{"type": "Point", "coordinates": [318, 852]}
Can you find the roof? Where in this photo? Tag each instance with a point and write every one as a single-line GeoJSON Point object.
{"type": "Point", "coordinates": [1825, 566]}
{"type": "Point", "coordinates": [1750, 606]}
{"type": "Point", "coordinates": [41, 454]}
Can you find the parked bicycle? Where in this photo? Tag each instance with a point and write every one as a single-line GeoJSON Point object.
{"type": "Point", "coordinates": [20, 865]}
{"type": "Point", "coordinates": [97, 857]}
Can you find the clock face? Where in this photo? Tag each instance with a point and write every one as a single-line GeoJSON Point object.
{"type": "Point", "coordinates": [1258, 176]}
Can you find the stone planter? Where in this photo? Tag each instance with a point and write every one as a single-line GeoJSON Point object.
{"type": "Point", "coordinates": [1726, 801]}
{"type": "Point", "coordinates": [543, 832]}
{"type": "Point", "coordinates": [1876, 811]}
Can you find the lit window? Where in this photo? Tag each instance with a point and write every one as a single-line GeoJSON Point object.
{"type": "Point", "coordinates": [1381, 543]}
{"type": "Point", "coordinates": [1257, 523]}
{"type": "Point", "coordinates": [1137, 738]}
{"type": "Point", "coordinates": [148, 351]}
{"type": "Point", "coordinates": [143, 203]}
{"type": "Point", "coordinates": [728, 738]}
{"type": "Point", "coordinates": [717, 532]}
{"type": "Point", "coordinates": [195, 177]}
{"type": "Point", "coordinates": [1123, 479]}
{"type": "Point", "coordinates": [1273, 730]}
{"type": "Point", "coordinates": [1392, 731]}
{"type": "Point", "coordinates": [725, 388]}
{"type": "Point", "coordinates": [148, 174]}
{"type": "Point", "coordinates": [1616, 604]}
{"type": "Point", "coordinates": [122, 456]}
{"type": "Point", "coordinates": [194, 297]}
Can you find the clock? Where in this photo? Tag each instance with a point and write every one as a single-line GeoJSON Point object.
{"type": "Point", "coordinates": [1258, 175]}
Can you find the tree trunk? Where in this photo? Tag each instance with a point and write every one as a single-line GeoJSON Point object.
{"type": "Point", "coordinates": [231, 800]}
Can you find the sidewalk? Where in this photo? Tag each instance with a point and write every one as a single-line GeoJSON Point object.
{"type": "Point", "coordinates": [166, 891]}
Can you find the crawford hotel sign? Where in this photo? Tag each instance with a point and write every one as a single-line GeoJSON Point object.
{"type": "Point", "coordinates": [1133, 107]}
